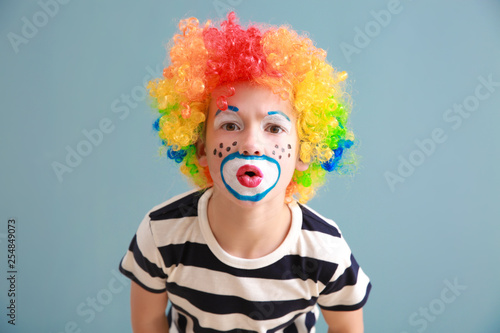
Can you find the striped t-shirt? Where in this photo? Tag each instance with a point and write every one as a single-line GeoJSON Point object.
{"type": "Point", "coordinates": [174, 250]}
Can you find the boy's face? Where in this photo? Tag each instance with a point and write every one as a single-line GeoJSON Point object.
{"type": "Point", "coordinates": [251, 149]}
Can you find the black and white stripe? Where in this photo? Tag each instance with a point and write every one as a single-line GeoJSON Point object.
{"type": "Point", "coordinates": [212, 291]}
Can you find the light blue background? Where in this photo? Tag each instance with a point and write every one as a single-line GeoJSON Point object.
{"type": "Point", "coordinates": [440, 224]}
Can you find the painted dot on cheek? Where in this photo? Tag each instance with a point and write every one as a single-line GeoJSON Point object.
{"type": "Point", "coordinates": [221, 145]}
{"type": "Point", "coordinates": [280, 157]}
{"type": "Point", "coordinates": [289, 146]}
{"type": "Point", "coordinates": [234, 143]}
{"type": "Point", "coordinates": [228, 148]}
{"type": "Point", "coordinates": [220, 154]}
{"type": "Point", "coordinates": [288, 154]}
{"type": "Point", "coordinates": [274, 153]}
{"type": "Point", "coordinates": [282, 150]}
{"type": "Point", "coordinates": [215, 151]}
{"type": "Point", "coordinates": [276, 146]}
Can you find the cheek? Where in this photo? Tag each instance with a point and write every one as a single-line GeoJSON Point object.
{"type": "Point", "coordinates": [282, 153]}
{"type": "Point", "coordinates": [223, 149]}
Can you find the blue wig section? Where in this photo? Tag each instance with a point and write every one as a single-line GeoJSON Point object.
{"type": "Point", "coordinates": [333, 162]}
{"type": "Point", "coordinates": [156, 124]}
{"type": "Point", "coordinates": [176, 155]}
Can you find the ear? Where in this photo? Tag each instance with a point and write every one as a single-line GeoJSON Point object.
{"type": "Point", "coordinates": [201, 153]}
{"type": "Point", "coordinates": [301, 166]}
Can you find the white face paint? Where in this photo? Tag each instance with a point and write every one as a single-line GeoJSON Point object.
{"type": "Point", "coordinates": [251, 148]}
{"type": "Point", "coordinates": [224, 117]}
{"type": "Point", "coordinates": [249, 178]}
{"type": "Point", "coordinates": [277, 119]}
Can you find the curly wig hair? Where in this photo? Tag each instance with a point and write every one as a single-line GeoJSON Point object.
{"type": "Point", "coordinates": [206, 57]}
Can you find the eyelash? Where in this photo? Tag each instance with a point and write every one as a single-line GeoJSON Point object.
{"type": "Point", "coordinates": [281, 129]}
{"type": "Point", "coordinates": [267, 128]}
{"type": "Point", "coordinates": [224, 127]}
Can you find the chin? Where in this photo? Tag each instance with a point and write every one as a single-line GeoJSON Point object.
{"type": "Point", "coordinates": [245, 202]}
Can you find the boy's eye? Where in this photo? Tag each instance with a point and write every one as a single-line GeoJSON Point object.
{"type": "Point", "coordinates": [274, 129]}
{"type": "Point", "coordinates": [230, 127]}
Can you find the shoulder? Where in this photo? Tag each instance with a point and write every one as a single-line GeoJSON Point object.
{"type": "Point", "coordinates": [345, 286]}
{"type": "Point", "coordinates": [166, 221]}
{"type": "Point", "coordinates": [322, 239]}
{"type": "Point", "coordinates": [313, 221]}
{"type": "Point", "coordinates": [182, 205]}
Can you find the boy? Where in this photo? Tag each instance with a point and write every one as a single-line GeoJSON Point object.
{"type": "Point", "coordinates": [255, 117]}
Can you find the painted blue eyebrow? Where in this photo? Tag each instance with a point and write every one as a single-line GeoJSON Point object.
{"type": "Point", "coordinates": [229, 107]}
{"type": "Point", "coordinates": [280, 113]}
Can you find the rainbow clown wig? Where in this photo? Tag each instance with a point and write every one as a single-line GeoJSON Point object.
{"type": "Point", "coordinates": [206, 57]}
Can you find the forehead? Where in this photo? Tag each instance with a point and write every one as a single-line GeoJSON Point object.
{"type": "Point", "coordinates": [251, 97]}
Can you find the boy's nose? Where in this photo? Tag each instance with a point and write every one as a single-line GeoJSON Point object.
{"type": "Point", "coordinates": [252, 151]}
{"type": "Point", "coordinates": [251, 144]}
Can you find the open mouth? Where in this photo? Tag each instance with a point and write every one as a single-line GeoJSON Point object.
{"type": "Point", "coordinates": [244, 178]}
{"type": "Point", "coordinates": [249, 175]}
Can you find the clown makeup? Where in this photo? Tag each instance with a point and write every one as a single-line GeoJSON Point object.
{"type": "Point", "coordinates": [275, 122]}
{"type": "Point", "coordinates": [228, 120]}
{"type": "Point", "coordinates": [251, 177]}
{"type": "Point", "coordinates": [251, 147]}
{"type": "Point", "coordinates": [224, 149]}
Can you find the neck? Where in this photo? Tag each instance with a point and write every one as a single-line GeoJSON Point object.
{"type": "Point", "coordinates": [248, 231]}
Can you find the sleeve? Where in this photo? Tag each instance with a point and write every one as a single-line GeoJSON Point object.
{"type": "Point", "coordinates": [349, 286]}
{"type": "Point", "coordinates": [143, 262]}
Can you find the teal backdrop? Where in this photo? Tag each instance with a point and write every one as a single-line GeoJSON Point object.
{"type": "Point", "coordinates": [80, 166]}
